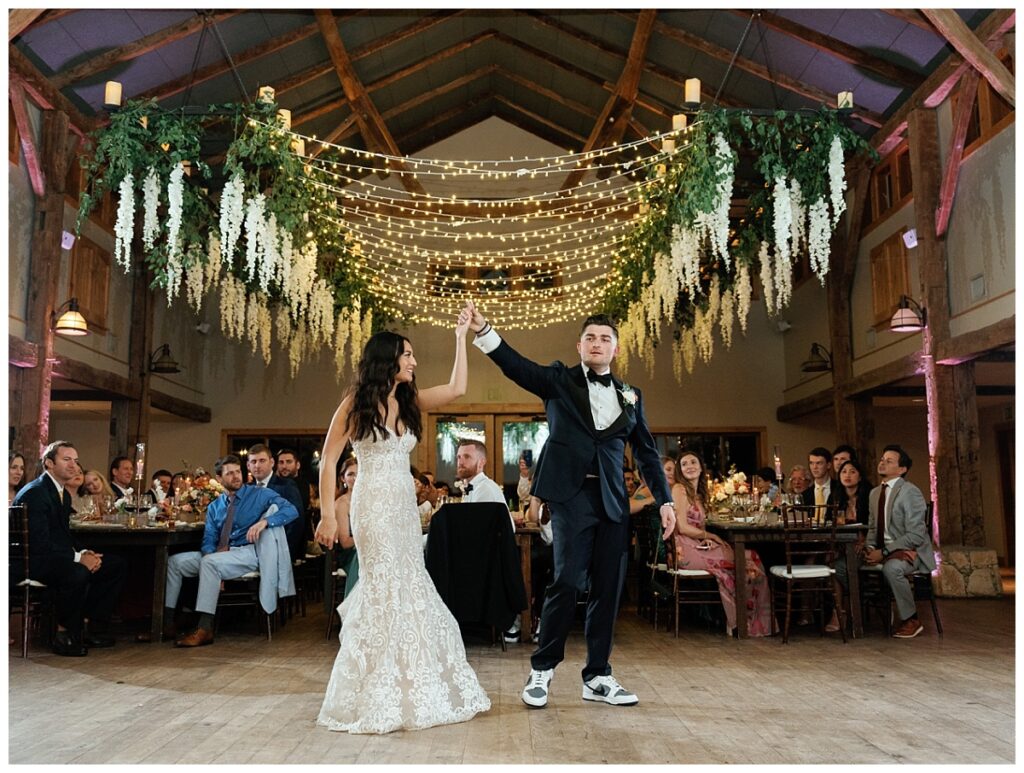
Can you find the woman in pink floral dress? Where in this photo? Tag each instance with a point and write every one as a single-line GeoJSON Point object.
{"type": "Point", "coordinates": [698, 549]}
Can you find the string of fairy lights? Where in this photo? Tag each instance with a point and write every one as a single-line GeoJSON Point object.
{"type": "Point", "coordinates": [538, 255]}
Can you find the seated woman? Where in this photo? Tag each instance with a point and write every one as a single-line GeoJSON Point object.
{"type": "Point", "coordinates": [764, 485]}
{"type": "Point", "coordinates": [15, 474]}
{"type": "Point", "coordinates": [852, 500]}
{"type": "Point", "coordinates": [347, 559]}
{"type": "Point", "coordinates": [81, 503]}
{"type": "Point", "coordinates": [97, 487]}
{"type": "Point", "coordinates": [696, 549]}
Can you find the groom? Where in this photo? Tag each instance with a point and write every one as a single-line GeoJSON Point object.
{"type": "Point", "coordinates": [591, 416]}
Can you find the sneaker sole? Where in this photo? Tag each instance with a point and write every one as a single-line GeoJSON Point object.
{"type": "Point", "coordinates": [529, 702]}
{"type": "Point", "coordinates": [909, 635]}
{"type": "Point", "coordinates": [590, 695]}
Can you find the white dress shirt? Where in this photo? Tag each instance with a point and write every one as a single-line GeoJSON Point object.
{"type": "Point", "coordinates": [486, 490]}
{"type": "Point", "coordinates": [604, 403]}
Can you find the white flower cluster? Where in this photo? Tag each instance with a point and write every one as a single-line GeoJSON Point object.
{"type": "Point", "coordinates": [320, 318]}
{"type": "Point", "coordinates": [151, 206]}
{"type": "Point", "coordinates": [767, 283]}
{"type": "Point", "coordinates": [836, 179]}
{"type": "Point", "coordinates": [744, 292]}
{"type": "Point", "coordinates": [781, 225]}
{"type": "Point", "coordinates": [232, 307]}
{"type": "Point", "coordinates": [685, 245]}
{"type": "Point", "coordinates": [726, 317]}
{"type": "Point", "coordinates": [818, 238]}
{"type": "Point", "coordinates": [718, 220]}
{"type": "Point", "coordinates": [175, 200]}
{"type": "Point", "coordinates": [798, 216]}
{"type": "Point", "coordinates": [124, 227]}
{"type": "Point", "coordinates": [255, 235]}
{"type": "Point", "coordinates": [232, 213]}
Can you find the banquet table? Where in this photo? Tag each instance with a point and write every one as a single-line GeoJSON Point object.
{"type": "Point", "coordinates": [525, 535]}
{"type": "Point", "coordinates": [739, 533]}
{"type": "Point", "coordinates": [159, 539]}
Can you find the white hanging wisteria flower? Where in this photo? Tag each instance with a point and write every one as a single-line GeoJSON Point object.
{"type": "Point", "coordinates": [296, 350]}
{"type": "Point", "coordinates": [283, 325]}
{"type": "Point", "coordinates": [355, 332]}
{"type": "Point", "coordinates": [151, 205]}
{"type": "Point", "coordinates": [124, 227]}
{"type": "Point", "coordinates": [195, 277]}
{"type": "Point", "coordinates": [252, 321]}
{"type": "Point", "coordinates": [703, 334]}
{"type": "Point", "coordinates": [836, 178]}
{"type": "Point", "coordinates": [284, 261]}
{"type": "Point", "coordinates": [744, 292]}
{"type": "Point", "coordinates": [212, 273]}
{"type": "Point", "coordinates": [232, 213]}
{"type": "Point", "coordinates": [798, 216]}
{"type": "Point", "coordinates": [725, 320]}
{"type": "Point", "coordinates": [767, 285]}
{"type": "Point", "coordinates": [783, 281]}
{"type": "Point", "coordinates": [367, 324]}
{"type": "Point", "coordinates": [255, 235]}
{"type": "Point", "coordinates": [301, 279]}
{"type": "Point", "coordinates": [686, 257]}
{"type": "Point", "coordinates": [267, 269]}
{"type": "Point", "coordinates": [818, 239]}
{"type": "Point", "coordinates": [782, 217]}
{"type": "Point", "coordinates": [718, 222]}
{"type": "Point", "coordinates": [677, 360]}
{"type": "Point", "coordinates": [265, 325]}
{"type": "Point", "coordinates": [175, 201]}
{"type": "Point", "coordinates": [341, 332]}
{"type": "Point", "coordinates": [689, 346]}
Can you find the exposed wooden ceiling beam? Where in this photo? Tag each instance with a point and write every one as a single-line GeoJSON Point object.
{"type": "Point", "coordinates": [551, 94]}
{"type": "Point", "coordinates": [964, 108]}
{"type": "Point", "coordinates": [372, 127]}
{"type": "Point", "coordinates": [374, 46]}
{"type": "Point", "coordinates": [805, 90]}
{"type": "Point", "coordinates": [440, 118]}
{"type": "Point", "coordinates": [611, 123]}
{"type": "Point", "coordinates": [18, 20]}
{"type": "Point", "coordinates": [937, 86]}
{"type": "Point", "coordinates": [136, 48]}
{"type": "Point", "coordinates": [27, 137]}
{"type": "Point", "coordinates": [42, 92]}
{"type": "Point", "coordinates": [973, 50]}
{"type": "Point", "coordinates": [568, 133]}
{"type": "Point", "coordinates": [893, 73]}
{"type": "Point", "coordinates": [911, 16]}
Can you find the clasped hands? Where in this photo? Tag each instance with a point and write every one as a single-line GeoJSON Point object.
{"type": "Point", "coordinates": [91, 560]}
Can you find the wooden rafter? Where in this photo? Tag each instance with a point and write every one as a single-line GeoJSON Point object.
{"type": "Point", "coordinates": [965, 106]}
{"type": "Point", "coordinates": [19, 19]}
{"type": "Point", "coordinates": [613, 120]}
{"type": "Point", "coordinates": [911, 16]}
{"type": "Point", "coordinates": [41, 91]}
{"type": "Point", "coordinates": [374, 46]}
{"type": "Point", "coordinates": [784, 81]}
{"type": "Point", "coordinates": [839, 49]}
{"type": "Point", "coordinates": [568, 133]}
{"type": "Point", "coordinates": [27, 137]}
{"type": "Point", "coordinates": [371, 125]}
{"type": "Point", "coordinates": [937, 86]}
{"type": "Point", "coordinates": [973, 50]}
{"type": "Point", "coordinates": [135, 49]}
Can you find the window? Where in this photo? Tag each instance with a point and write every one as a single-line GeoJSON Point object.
{"type": "Point", "coordinates": [889, 277]}
{"type": "Point", "coordinates": [720, 450]}
{"type": "Point", "coordinates": [90, 281]}
{"type": "Point", "coordinates": [991, 113]}
{"type": "Point", "coordinates": [891, 185]}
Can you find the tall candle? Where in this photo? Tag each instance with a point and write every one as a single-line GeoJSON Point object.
{"type": "Point", "coordinates": [678, 122]}
{"type": "Point", "coordinates": [112, 93]}
{"type": "Point", "coordinates": [845, 100]}
{"type": "Point", "coordinates": [691, 91]}
{"type": "Point", "coordinates": [778, 464]}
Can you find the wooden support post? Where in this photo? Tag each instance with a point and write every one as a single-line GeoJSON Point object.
{"type": "Point", "coordinates": [32, 419]}
{"type": "Point", "coordinates": [968, 443]}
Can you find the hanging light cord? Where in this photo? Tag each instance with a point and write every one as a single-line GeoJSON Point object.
{"type": "Point", "coordinates": [735, 53]}
{"type": "Point", "coordinates": [227, 55]}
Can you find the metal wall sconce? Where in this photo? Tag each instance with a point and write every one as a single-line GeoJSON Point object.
{"type": "Point", "coordinates": [67, 320]}
{"type": "Point", "coordinates": [161, 361]}
{"type": "Point", "coordinates": [819, 360]}
{"type": "Point", "coordinates": [910, 317]}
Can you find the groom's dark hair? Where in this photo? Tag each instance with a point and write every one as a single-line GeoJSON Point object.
{"type": "Point", "coordinates": [600, 319]}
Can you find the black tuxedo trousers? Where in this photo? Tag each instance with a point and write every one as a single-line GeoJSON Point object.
{"type": "Point", "coordinates": [588, 546]}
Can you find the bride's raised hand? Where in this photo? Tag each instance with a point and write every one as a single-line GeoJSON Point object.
{"type": "Point", "coordinates": [462, 323]}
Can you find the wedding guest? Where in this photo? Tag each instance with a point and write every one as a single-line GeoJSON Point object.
{"type": "Point", "coordinates": [121, 473]}
{"type": "Point", "coordinates": [697, 549]}
{"type": "Point", "coordinates": [164, 478]}
{"type": "Point", "coordinates": [442, 488]}
{"type": "Point", "coordinates": [524, 483]}
{"type": "Point", "coordinates": [819, 462]}
{"type": "Point", "coordinates": [289, 466]}
{"type": "Point", "coordinates": [426, 495]}
{"type": "Point", "coordinates": [669, 465]}
{"type": "Point", "coordinates": [799, 480]}
{"type": "Point", "coordinates": [639, 495]}
{"type": "Point", "coordinates": [348, 559]}
{"type": "Point", "coordinates": [261, 467]}
{"type": "Point", "coordinates": [96, 485]}
{"type": "Point", "coordinates": [86, 583]}
{"type": "Point", "coordinates": [853, 501]}
{"type": "Point", "coordinates": [842, 453]}
{"type": "Point", "coordinates": [80, 502]}
{"type": "Point", "coordinates": [15, 474]}
{"type": "Point", "coordinates": [470, 460]}
{"type": "Point", "coordinates": [765, 485]}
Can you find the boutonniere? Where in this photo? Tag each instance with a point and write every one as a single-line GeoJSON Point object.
{"type": "Point", "coordinates": [628, 395]}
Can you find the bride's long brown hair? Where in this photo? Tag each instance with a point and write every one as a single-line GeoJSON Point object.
{"type": "Point", "coordinates": [377, 370]}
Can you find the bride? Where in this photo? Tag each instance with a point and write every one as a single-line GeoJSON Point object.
{"type": "Point", "coordinates": [402, 664]}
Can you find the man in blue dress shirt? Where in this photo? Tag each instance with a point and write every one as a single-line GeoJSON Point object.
{"type": "Point", "coordinates": [234, 521]}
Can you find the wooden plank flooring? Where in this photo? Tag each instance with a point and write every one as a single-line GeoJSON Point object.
{"type": "Point", "coordinates": [703, 699]}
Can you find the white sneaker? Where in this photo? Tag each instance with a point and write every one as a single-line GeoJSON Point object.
{"type": "Point", "coordinates": [606, 689]}
{"type": "Point", "coordinates": [535, 694]}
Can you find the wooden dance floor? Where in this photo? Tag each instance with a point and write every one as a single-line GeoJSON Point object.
{"type": "Point", "coordinates": [703, 699]}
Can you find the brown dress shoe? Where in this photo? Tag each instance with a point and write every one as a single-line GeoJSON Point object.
{"type": "Point", "coordinates": [908, 629]}
{"type": "Point", "coordinates": [197, 638]}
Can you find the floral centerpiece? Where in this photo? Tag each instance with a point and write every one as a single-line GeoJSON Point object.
{"type": "Point", "coordinates": [202, 490]}
{"type": "Point", "coordinates": [734, 483]}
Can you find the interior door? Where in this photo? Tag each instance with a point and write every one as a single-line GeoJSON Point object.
{"type": "Point", "coordinates": [445, 431]}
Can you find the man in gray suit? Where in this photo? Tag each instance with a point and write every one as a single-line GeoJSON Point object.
{"type": "Point", "coordinates": [897, 535]}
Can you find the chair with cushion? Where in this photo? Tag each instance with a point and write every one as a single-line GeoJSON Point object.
{"type": "Point", "coordinates": [27, 597]}
{"type": "Point", "coordinates": [807, 578]}
{"type": "Point", "coordinates": [690, 587]}
{"type": "Point", "coordinates": [876, 594]}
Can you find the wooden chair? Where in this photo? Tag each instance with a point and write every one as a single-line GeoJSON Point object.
{"type": "Point", "coordinates": [27, 597]}
{"type": "Point", "coordinates": [244, 592]}
{"type": "Point", "coordinates": [693, 587]}
{"type": "Point", "coordinates": [338, 578]}
{"type": "Point", "coordinates": [808, 573]}
{"type": "Point", "coordinates": [876, 594]}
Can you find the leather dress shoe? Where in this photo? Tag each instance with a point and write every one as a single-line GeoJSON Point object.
{"type": "Point", "coordinates": [96, 640]}
{"type": "Point", "coordinates": [197, 638]}
{"type": "Point", "coordinates": [68, 645]}
{"type": "Point", "coordinates": [169, 633]}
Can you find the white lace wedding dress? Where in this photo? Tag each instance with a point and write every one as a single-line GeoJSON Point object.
{"type": "Point", "coordinates": [402, 663]}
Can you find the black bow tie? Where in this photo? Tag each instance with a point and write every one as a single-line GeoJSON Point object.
{"type": "Point", "coordinates": [469, 487]}
{"type": "Point", "coordinates": [597, 378]}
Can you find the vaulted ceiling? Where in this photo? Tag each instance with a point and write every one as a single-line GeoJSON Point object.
{"type": "Point", "coordinates": [367, 78]}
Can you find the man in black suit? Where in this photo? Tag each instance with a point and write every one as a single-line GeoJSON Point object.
{"type": "Point", "coordinates": [591, 416]}
{"type": "Point", "coordinates": [86, 583]}
{"type": "Point", "coordinates": [261, 468]}
{"type": "Point", "coordinates": [122, 472]}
